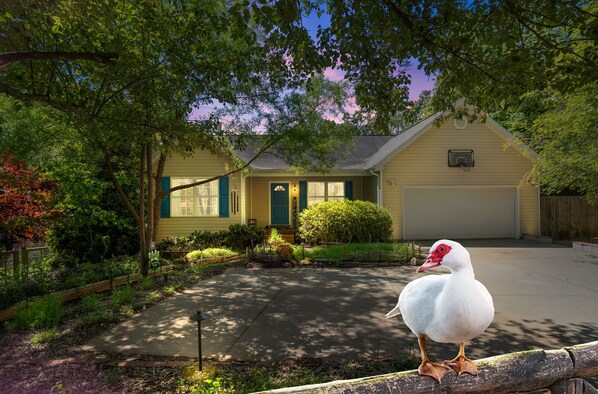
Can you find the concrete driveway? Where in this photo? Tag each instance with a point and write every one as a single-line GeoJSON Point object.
{"type": "Point", "coordinates": [545, 296]}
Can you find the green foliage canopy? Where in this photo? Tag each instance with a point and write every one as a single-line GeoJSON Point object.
{"type": "Point", "coordinates": [567, 136]}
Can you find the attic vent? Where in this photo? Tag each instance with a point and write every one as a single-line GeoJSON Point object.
{"type": "Point", "coordinates": [460, 158]}
{"type": "Point", "coordinates": [460, 123]}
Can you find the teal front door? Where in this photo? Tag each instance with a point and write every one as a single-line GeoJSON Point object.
{"type": "Point", "coordinates": [279, 203]}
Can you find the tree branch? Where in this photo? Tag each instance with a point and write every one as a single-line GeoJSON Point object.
{"type": "Point", "coordinates": [13, 57]}
{"type": "Point", "coordinates": [15, 93]}
{"type": "Point", "coordinates": [120, 191]}
{"type": "Point", "coordinates": [258, 154]}
{"type": "Point", "coordinates": [429, 43]}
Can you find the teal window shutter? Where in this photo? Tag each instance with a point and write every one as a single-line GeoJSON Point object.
{"type": "Point", "coordinates": [349, 190]}
{"type": "Point", "coordinates": [302, 195]}
{"type": "Point", "coordinates": [165, 207]}
{"type": "Point", "coordinates": [223, 197]}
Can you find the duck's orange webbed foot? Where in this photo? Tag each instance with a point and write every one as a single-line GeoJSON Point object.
{"type": "Point", "coordinates": [435, 370]}
{"type": "Point", "coordinates": [462, 364]}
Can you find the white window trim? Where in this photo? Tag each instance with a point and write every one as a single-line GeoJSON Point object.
{"type": "Point", "coordinates": [326, 196]}
{"type": "Point", "coordinates": [173, 198]}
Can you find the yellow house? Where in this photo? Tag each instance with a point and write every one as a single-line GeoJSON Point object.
{"type": "Point", "coordinates": [458, 180]}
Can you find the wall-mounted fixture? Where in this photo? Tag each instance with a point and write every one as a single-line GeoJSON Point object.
{"type": "Point", "coordinates": [460, 123]}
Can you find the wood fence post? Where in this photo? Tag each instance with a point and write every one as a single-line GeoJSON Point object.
{"type": "Point", "coordinates": [553, 235]}
{"type": "Point", "coordinates": [16, 264]}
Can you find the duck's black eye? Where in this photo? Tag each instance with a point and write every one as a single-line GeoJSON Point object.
{"type": "Point", "coordinates": [442, 249]}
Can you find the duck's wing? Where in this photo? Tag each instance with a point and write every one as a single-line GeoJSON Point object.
{"type": "Point", "coordinates": [487, 297]}
{"type": "Point", "coordinates": [417, 301]}
{"type": "Point", "coordinates": [484, 291]}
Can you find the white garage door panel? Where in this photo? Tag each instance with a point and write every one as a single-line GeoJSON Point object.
{"type": "Point", "coordinates": [432, 213]}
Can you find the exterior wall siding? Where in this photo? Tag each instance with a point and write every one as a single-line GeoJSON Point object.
{"type": "Point", "coordinates": [370, 188]}
{"type": "Point", "coordinates": [201, 165]}
{"type": "Point", "coordinates": [425, 163]}
{"type": "Point", "coordinates": [257, 197]}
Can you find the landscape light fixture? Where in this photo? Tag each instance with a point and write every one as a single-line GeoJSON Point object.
{"type": "Point", "coordinates": [199, 317]}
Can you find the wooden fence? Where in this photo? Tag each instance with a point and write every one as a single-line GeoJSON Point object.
{"type": "Point", "coordinates": [568, 218]}
{"type": "Point", "coordinates": [98, 287]}
{"type": "Point", "coordinates": [560, 371]}
{"type": "Point", "coordinates": [10, 261]}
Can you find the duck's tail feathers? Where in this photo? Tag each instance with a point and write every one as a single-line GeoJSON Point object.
{"type": "Point", "coordinates": [396, 311]}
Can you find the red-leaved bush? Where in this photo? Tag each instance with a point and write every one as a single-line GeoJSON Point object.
{"type": "Point", "coordinates": [25, 197]}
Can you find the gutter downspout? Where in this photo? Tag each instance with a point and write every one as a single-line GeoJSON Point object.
{"type": "Point", "coordinates": [378, 188]}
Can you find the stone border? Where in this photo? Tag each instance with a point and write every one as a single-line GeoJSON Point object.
{"type": "Point", "coordinates": [538, 238]}
{"type": "Point", "coordinates": [586, 247]}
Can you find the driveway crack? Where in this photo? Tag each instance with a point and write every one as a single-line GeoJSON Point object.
{"type": "Point", "coordinates": [255, 318]}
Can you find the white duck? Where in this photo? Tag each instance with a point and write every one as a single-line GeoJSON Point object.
{"type": "Point", "coordinates": [451, 308]}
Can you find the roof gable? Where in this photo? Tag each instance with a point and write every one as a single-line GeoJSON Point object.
{"type": "Point", "coordinates": [406, 138]}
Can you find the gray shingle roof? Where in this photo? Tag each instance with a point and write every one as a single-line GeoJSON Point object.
{"type": "Point", "coordinates": [363, 148]}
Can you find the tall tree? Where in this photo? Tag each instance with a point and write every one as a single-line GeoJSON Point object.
{"type": "Point", "coordinates": [568, 137]}
{"type": "Point", "coordinates": [499, 55]}
{"type": "Point", "coordinates": [485, 51]}
{"type": "Point", "coordinates": [141, 88]}
{"type": "Point", "coordinates": [84, 193]}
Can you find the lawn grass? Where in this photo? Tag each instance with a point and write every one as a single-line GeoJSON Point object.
{"type": "Point", "coordinates": [357, 252]}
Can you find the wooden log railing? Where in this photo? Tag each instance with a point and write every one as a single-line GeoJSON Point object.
{"type": "Point", "coordinates": [559, 371]}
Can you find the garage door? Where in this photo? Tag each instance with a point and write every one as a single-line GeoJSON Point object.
{"type": "Point", "coordinates": [459, 212]}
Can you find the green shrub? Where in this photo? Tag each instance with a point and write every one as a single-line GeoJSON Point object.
{"type": "Point", "coordinates": [122, 295]}
{"type": "Point", "coordinates": [98, 249]}
{"type": "Point", "coordinates": [208, 239]}
{"type": "Point", "coordinates": [90, 303]}
{"type": "Point", "coordinates": [75, 235]}
{"type": "Point", "coordinates": [208, 253]}
{"type": "Point", "coordinates": [45, 336]}
{"type": "Point", "coordinates": [147, 283]}
{"type": "Point", "coordinates": [92, 311]}
{"type": "Point", "coordinates": [238, 236]}
{"type": "Point", "coordinates": [275, 239]}
{"type": "Point", "coordinates": [345, 221]}
{"type": "Point", "coordinates": [177, 243]}
{"type": "Point", "coordinates": [43, 313]}
{"type": "Point", "coordinates": [11, 291]}
{"type": "Point", "coordinates": [242, 236]}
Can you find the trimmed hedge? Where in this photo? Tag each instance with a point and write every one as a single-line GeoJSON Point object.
{"type": "Point", "coordinates": [345, 221]}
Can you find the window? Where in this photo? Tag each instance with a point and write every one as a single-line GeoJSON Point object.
{"type": "Point", "coordinates": [324, 191]}
{"type": "Point", "coordinates": [200, 200]}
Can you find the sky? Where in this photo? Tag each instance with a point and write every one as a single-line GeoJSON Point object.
{"type": "Point", "coordinates": [419, 80]}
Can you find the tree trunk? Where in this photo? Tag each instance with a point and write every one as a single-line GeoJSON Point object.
{"type": "Point", "coordinates": [141, 224]}
{"type": "Point", "coordinates": [149, 230]}
{"type": "Point", "coordinates": [158, 195]}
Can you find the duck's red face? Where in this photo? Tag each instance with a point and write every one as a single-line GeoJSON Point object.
{"type": "Point", "coordinates": [435, 257]}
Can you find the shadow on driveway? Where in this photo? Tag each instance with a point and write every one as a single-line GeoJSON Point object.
{"type": "Point", "coordinates": [544, 297]}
